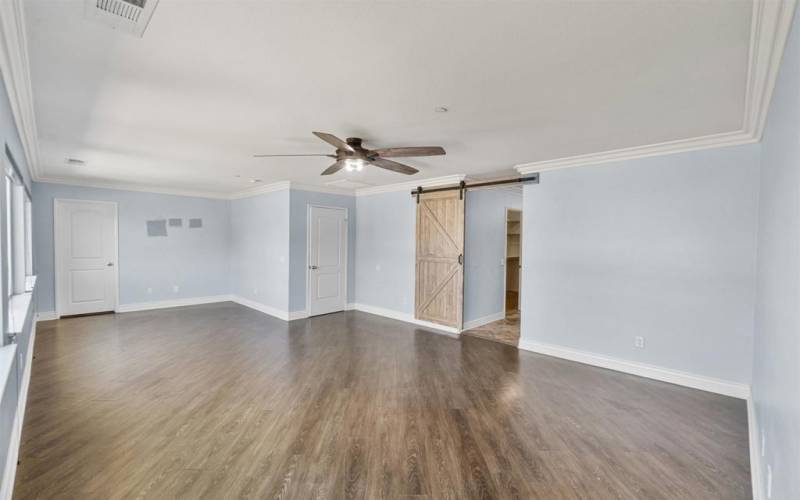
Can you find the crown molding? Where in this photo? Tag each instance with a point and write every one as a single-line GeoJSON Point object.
{"type": "Point", "coordinates": [770, 26]}
{"type": "Point", "coordinates": [266, 188]}
{"type": "Point", "coordinates": [15, 68]}
{"type": "Point", "coordinates": [285, 185]}
{"type": "Point", "coordinates": [297, 186]}
{"type": "Point", "coordinates": [122, 186]}
{"type": "Point", "coordinates": [664, 148]}
{"type": "Point", "coordinates": [410, 185]}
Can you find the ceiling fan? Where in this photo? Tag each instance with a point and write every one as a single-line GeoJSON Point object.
{"type": "Point", "coordinates": [351, 155]}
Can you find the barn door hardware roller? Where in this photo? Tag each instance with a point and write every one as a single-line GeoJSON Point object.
{"type": "Point", "coordinates": [463, 186]}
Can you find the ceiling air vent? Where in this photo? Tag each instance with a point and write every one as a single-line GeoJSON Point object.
{"type": "Point", "coordinates": [128, 16]}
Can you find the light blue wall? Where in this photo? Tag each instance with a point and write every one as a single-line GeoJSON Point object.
{"type": "Point", "coordinates": [196, 260]}
{"type": "Point", "coordinates": [385, 248]}
{"type": "Point", "coordinates": [776, 364]}
{"type": "Point", "coordinates": [660, 247]}
{"type": "Point", "coordinates": [259, 251]}
{"type": "Point", "coordinates": [300, 200]}
{"type": "Point", "coordinates": [484, 250]}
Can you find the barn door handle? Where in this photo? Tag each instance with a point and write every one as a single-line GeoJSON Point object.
{"type": "Point", "coordinates": [461, 259]}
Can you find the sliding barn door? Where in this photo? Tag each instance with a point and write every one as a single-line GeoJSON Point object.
{"type": "Point", "coordinates": [440, 258]}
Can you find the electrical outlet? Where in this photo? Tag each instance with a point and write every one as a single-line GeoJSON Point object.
{"type": "Point", "coordinates": [255, 291]}
{"type": "Point", "coordinates": [149, 290]}
{"type": "Point", "coordinates": [769, 481]}
{"type": "Point", "coordinates": [175, 288]}
{"type": "Point", "coordinates": [638, 342]}
{"type": "Point", "coordinates": [377, 267]}
{"type": "Point", "coordinates": [763, 443]}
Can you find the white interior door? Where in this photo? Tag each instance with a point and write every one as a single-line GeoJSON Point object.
{"type": "Point", "coordinates": [86, 256]}
{"type": "Point", "coordinates": [327, 260]}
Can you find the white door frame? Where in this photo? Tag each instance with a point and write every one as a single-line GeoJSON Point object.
{"type": "Point", "coordinates": [58, 243]}
{"type": "Point", "coordinates": [308, 251]}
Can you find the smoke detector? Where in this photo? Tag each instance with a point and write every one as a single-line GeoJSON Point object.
{"type": "Point", "coordinates": [128, 16]}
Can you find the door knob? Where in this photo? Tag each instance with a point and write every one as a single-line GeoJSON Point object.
{"type": "Point", "coordinates": [110, 264]}
{"type": "Point", "coordinates": [313, 267]}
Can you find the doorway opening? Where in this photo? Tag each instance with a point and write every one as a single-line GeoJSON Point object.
{"type": "Point", "coordinates": [494, 266]}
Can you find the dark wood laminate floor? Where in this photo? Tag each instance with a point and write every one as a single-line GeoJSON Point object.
{"type": "Point", "coordinates": [220, 401]}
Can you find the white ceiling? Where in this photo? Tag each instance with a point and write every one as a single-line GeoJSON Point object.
{"type": "Point", "coordinates": [213, 82]}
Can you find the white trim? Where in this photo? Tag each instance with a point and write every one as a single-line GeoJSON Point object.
{"type": "Point", "coordinates": [770, 26]}
{"type": "Point", "coordinates": [15, 441]}
{"type": "Point", "coordinates": [754, 440]}
{"type": "Point", "coordinates": [266, 188]}
{"type": "Point", "coordinates": [15, 68]}
{"type": "Point", "coordinates": [12, 453]}
{"type": "Point", "coordinates": [271, 311]}
{"type": "Point", "coordinates": [46, 316]}
{"type": "Point", "coordinates": [297, 186]}
{"type": "Point", "coordinates": [718, 386]}
{"type": "Point", "coordinates": [407, 318]}
{"type": "Point", "coordinates": [664, 148]}
{"type": "Point", "coordinates": [293, 315]}
{"type": "Point", "coordinates": [410, 185]}
{"type": "Point", "coordinates": [485, 320]}
{"type": "Point", "coordinates": [164, 304]}
{"type": "Point", "coordinates": [138, 188]}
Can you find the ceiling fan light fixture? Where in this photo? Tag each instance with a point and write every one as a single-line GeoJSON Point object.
{"type": "Point", "coordinates": [354, 164]}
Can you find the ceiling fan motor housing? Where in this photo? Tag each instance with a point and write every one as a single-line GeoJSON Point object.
{"type": "Point", "coordinates": [353, 142]}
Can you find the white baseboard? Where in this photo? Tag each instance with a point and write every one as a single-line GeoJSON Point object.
{"type": "Point", "coordinates": [718, 386]}
{"type": "Point", "coordinates": [754, 436]}
{"type": "Point", "coordinates": [485, 320]}
{"type": "Point", "coordinates": [164, 304]}
{"type": "Point", "coordinates": [46, 316]}
{"type": "Point", "coordinates": [408, 318]}
{"type": "Point", "coordinates": [293, 315]}
{"type": "Point", "coordinates": [258, 306]}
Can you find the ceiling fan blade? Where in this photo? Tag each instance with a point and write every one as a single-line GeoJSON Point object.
{"type": "Point", "coordinates": [410, 151]}
{"type": "Point", "coordinates": [334, 168]}
{"type": "Point", "coordinates": [280, 156]}
{"type": "Point", "coordinates": [393, 166]}
{"type": "Point", "coordinates": [334, 141]}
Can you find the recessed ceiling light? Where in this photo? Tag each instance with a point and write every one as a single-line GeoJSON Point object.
{"type": "Point", "coordinates": [441, 109]}
{"type": "Point", "coordinates": [254, 181]}
{"type": "Point", "coordinates": [74, 161]}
